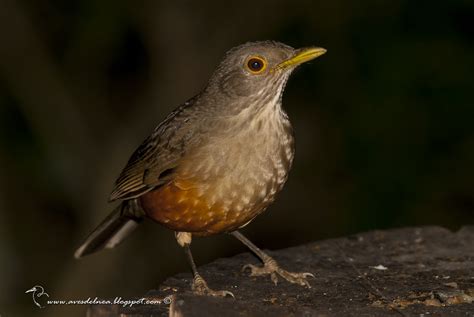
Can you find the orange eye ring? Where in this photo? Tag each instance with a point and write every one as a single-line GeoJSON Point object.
{"type": "Point", "coordinates": [256, 64]}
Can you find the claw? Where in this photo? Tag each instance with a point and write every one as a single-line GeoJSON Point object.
{"type": "Point", "coordinates": [247, 266]}
{"type": "Point", "coordinates": [274, 278]}
{"type": "Point", "coordinates": [227, 293]}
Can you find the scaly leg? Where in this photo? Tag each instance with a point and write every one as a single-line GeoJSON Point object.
{"type": "Point", "coordinates": [270, 266]}
{"type": "Point", "coordinates": [199, 286]}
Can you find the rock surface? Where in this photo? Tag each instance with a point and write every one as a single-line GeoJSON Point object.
{"type": "Point", "coordinates": [425, 271]}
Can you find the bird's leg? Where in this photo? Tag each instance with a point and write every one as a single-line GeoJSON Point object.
{"type": "Point", "coordinates": [199, 286]}
{"type": "Point", "coordinates": [270, 266]}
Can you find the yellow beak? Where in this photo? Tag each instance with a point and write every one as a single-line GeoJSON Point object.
{"type": "Point", "coordinates": [303, 55]}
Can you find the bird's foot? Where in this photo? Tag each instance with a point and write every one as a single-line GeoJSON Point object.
{"type": "Point", "coordinates": [271, 267]}
{"type": "Point", "coordinates": [200, 288]}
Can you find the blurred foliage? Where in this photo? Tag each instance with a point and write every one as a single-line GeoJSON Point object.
{"type": "Point", "coordinates": [383, 124]}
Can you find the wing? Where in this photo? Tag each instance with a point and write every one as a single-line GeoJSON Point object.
{"type": "Point", "coordinates": [152, 163]}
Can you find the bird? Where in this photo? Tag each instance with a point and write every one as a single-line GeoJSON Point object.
{"type": "Point", "coordinates": [216, 162]}
{"type": "Point", "coordinates": [37, 292]}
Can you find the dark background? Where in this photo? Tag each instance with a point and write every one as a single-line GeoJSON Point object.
{"type": "Point", "coordinates": [383, 123]}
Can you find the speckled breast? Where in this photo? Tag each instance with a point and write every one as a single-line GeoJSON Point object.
{"type": "Point", "coordinates": [224, 184]}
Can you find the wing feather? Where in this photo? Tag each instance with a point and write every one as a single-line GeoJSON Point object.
{"type": "Point", "coordinates": [160, 152]}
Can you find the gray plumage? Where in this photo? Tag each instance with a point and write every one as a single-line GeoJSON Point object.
{"type": "Point", "coordinates": [229, 92]}
{"type": "Point", "coordinates": [233, 140]}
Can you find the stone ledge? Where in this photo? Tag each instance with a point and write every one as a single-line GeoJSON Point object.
{"type": "Point", "coordinates": [426, 271]}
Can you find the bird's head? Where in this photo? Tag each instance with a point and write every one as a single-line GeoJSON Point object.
{"type": "Point", "coordinates": [32, 290]}
{"type": "Point", "coordinates": [258, 69]}
{"type": "Point", "coordinates": [36, 288]}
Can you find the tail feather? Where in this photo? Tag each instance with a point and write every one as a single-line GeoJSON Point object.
{"type": "Point", "coordinates": [113, 229]}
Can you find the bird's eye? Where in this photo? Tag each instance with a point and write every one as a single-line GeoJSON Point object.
{"type": "Point", "coordinates": [256, 64]}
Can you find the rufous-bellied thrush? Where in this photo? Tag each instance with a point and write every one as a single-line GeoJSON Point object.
{"type": "Point", "coordinates": [216, 162]}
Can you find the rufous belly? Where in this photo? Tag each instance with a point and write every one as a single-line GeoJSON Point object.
{"type": "Point", "coordinates": [182, 206]}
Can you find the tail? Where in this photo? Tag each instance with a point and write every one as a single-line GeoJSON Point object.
{"type": "Point", "coordinates": [116, 227]}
